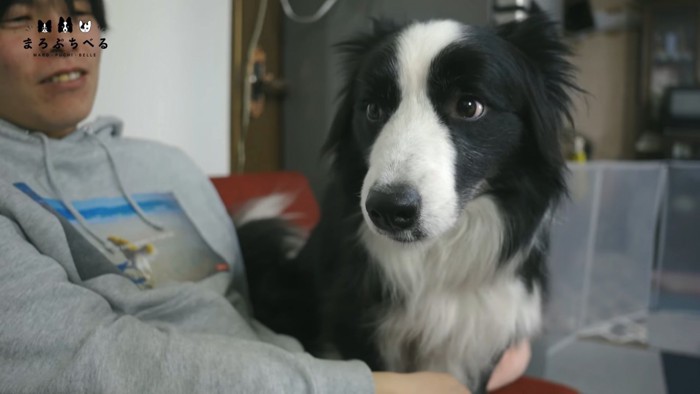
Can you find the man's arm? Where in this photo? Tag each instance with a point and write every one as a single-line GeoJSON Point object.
{"type": "Point", "coordinates": [56, 336]}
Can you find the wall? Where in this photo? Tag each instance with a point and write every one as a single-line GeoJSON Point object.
{"type": "Point", "coordinates": [166, 73]}
{"type": "Point", "coordinates": [313, 74]}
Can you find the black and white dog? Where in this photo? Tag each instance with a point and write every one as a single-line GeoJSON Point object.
{"type": "Point", "coordinates": [430, 253]}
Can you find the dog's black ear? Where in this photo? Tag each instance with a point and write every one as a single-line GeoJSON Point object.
{"type": "Point", "coordinates": [550, 78]}
{"type": "Point", "coordinates": [353, 52]}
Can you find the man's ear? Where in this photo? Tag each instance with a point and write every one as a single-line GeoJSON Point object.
{"type": "Point", "coordinates": [536, 42]}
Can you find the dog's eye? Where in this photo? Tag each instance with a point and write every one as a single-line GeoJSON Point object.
{"type": "Point", "coordinates": [468, 107]}
{"type": "Point", "coordinates": [374, 112]}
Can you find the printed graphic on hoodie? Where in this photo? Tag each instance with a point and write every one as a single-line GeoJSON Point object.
{"type": "Point", "coordinates": [149, 256]}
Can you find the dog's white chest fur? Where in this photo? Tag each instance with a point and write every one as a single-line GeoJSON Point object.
{"type": "Point", "coordinates": [457, 309]}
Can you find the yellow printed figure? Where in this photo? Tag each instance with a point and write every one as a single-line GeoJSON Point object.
{"type": "Point", "coordinates": [138, 257]}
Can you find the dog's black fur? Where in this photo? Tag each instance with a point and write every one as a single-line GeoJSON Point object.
{"type": "Point", "coordinates": [334, 292]}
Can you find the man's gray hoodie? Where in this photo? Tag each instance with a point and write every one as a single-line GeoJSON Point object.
{"type": "Point", "coordinates": [115, 255]}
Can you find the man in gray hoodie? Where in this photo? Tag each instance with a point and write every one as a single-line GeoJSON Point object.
{"type": "Point", "coordinates": [115, 254]}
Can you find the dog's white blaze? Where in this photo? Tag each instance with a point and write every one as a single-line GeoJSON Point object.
{"type": "Point", "coordinates": [414, 147]}
{"type": "Point", "coordinates": [457, 304]}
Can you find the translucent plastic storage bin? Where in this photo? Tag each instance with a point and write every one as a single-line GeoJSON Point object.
{"type": "Point", "coordinates": [678, 280]}
{"type": "Point", "coordinates": [674, 320]}
{"type": "Point", "coordinates": [603, 248]}
{"type": "Point", "coordinates": [602, 245]}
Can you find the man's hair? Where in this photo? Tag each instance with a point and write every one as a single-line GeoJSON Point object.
{"type": "Point", "coordinates": [98, 9]}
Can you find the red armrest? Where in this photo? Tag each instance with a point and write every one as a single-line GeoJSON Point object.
{"type": "Point", "coordinates": [528, 385]}
{"type": "Point", "coordinates": [236, 190]}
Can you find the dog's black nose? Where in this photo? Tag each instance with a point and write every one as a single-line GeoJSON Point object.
{"type": "Point", "coordinates": [393, 208]}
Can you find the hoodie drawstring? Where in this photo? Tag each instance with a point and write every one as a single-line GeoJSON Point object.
{"type": "Point", "coordinates": [48, 164]}
{"type": "Point", "coordinates": [122, 187]}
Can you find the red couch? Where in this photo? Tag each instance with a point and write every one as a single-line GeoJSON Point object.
{"type": "Point", "coordinates": [235, 190]}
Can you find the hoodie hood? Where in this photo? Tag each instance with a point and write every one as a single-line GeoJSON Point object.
{"type": "Point", "coordinates": [104, 126]}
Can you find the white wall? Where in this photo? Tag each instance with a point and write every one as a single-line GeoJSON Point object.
{"type": "Point", "coordinates": [166, 73]}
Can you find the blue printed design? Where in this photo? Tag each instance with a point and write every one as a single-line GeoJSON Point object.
{"type": "Point", "coordinates": [106, 209]}
{"type": "Point", "coordinates": [148, 256]}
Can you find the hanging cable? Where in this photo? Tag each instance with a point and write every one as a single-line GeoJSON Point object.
{"type": "Point", "coordinates": [322, 11]}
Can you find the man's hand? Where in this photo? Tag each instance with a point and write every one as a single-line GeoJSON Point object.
{"type": "Point", "coordinates": [512, 365]}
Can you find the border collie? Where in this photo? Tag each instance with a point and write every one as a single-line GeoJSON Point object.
{"type": "Point", "coordinates": [430, 253]}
